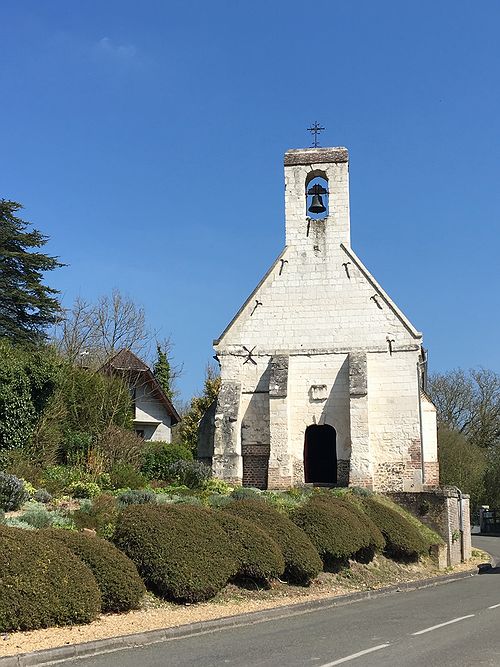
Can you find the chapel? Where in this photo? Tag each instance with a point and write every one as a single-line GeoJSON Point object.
{"type": "Point", "coordinates": [322, 376]}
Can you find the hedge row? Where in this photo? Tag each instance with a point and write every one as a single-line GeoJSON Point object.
{"type": "Point", "coordinates": [189, 553]}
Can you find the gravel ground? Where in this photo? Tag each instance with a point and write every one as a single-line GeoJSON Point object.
{"type": "Point", "coordinates": [156, 614]}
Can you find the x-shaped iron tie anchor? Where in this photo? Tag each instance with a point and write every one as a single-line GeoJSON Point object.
{"type": "Point", "coordinates": [250, 353]}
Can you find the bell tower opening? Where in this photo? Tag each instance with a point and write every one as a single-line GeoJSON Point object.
{"type": "Point", "coordinates": [320, 455]}
{"type": "Point", "coordinates": [317, 195]}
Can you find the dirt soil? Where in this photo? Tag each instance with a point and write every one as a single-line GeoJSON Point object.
{"type": "Point", "coordinates": [156, 614]}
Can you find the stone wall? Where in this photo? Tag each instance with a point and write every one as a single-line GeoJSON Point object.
{"type": "Point", "coordinates": [440, 510]}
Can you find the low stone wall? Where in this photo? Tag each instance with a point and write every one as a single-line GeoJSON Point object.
{"type": "Point", "coordinates": [440, 509]}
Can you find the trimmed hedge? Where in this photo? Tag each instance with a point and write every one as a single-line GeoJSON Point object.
{"type": "Point", "coordinates": [116, 575]}
{"type": "Point", "coordinates": [403, 540]}
{"type": "Point", "coordinates": [376, 541]}
{"type": "Point", "coordinates": [259, 557]}
{"type": "Point", "coordinates": [181, 551]}
{"type": "Point", "coordinates": [336, 532]}
{"type": "Point", "coordinates": [302, 561]}
{"type": "Point", "coordinates": [42, 583]}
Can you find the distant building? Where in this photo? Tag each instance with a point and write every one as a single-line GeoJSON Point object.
{"type": "Point", "coordinates": [154, 413]}
{"type": "Point", "coordinates": [322, 376]}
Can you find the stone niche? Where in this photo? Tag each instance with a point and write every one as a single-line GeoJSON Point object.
{"type": "Point", "coordinates": [318, 393]}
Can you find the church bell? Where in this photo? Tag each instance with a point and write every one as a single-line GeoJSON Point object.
{"type": "Point", "coordinates": [317, 205]}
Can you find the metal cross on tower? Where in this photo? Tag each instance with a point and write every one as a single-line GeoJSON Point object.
{"type": "Point", "coordinates": [315, 129]}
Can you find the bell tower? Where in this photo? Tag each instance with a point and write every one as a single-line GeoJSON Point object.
{"type": "Point", "coordinates": [317, 195]}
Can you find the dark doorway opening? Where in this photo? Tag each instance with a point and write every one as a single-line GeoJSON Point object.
{"type": "Point", "coordinates": [320, 455]}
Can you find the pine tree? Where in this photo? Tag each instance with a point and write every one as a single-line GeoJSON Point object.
{"type": "Point", "coordinates": [27, 306]}
{"type": "Point", "coordinates": [163, 371]}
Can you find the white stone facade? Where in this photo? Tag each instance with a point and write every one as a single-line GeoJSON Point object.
{"type": "Point", "coordinates": [151, 417]}
{"type": "Point", "coordinates": [320, 343]}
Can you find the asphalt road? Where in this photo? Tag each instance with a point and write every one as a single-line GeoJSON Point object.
{"type": "Point", "coordinates": [457, 624]}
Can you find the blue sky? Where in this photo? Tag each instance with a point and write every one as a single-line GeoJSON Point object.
{"type": "Point", "coordinates": [147, 139]}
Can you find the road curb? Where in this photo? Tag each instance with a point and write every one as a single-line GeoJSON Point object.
{"type": "Point", "coordinates": [88, 649]}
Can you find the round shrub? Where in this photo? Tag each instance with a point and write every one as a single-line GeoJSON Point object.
{"type": "Point", "coordinates": [116, 575]}
{"type": "Point", "coordinates": [260, 558]}
{"type": "Point", "coordinates": [193, 474]}
{"type": "Point", "coordinates": [244, 492]}
{"type": "Point", "coordinates": [81, 489]}
{"type": "Point", "coordinates": [376, 541]}
{"type": "Point", "coordinates": [181, 551]}
{"type": "Point", "coordinates": [302, 561]}
{"type": "Point", "coordinates": [12, 492]}
{"type": "Point", "coordinates": [43, 583]}
{"type": "Point", "coordinates": [42, 496]}
{"type": "Point", "coordinates": [336, 532]}
{"type": "Point", "coordinates": [158, 458]}
{"type": "Point", "coordinates": [402, 538]}
{"type": "Point", "coordinates": [124, 475]}
{"type": "Point", "coordinates": [137, 497]}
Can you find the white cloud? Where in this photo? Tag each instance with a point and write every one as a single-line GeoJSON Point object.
{"type": "Point", "coordinates": [119, 52]}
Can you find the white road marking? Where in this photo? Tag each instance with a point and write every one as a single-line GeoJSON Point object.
{"type": "Point", "coordinates": [355, 655]}
{"type": "Point", "coordinates": [494, 606]}
{"type": "Point", "coordinates": [441, 625]}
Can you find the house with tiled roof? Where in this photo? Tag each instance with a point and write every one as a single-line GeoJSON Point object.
{"type": "Point", "coordinates": [154, 413]}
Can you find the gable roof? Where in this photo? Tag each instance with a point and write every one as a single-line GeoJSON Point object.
{"type": "Point", "coordinates": [125, 362]}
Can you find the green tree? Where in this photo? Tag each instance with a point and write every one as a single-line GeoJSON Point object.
{"type": "Point", "coordinates": [187, 431]}
{"type": "Point", "coordinates": [27, 306]}
{"type": "Point", "coordinates": [462, 464]}
{"type": "Point", "coordinates": [162, 371]}
{"type": "Point", "coordinates": [28, 379]}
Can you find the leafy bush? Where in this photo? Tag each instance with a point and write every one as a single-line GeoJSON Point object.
{"type": "Point", "coordinates": [125, 475]}
{"type": "Point", "coordinates": [57, 479]}
{"type": "Point", "coordinates": [14, 522]}
{"type": "Point", "coordinates": [38, 516]}
{"type": "Point", "coordinates": [28, 377]}
{"type": "Point", "coordinates": [216, 500]}
{"type": "Point", "coordinates": [84, 489]}
{"type": "Point", "coordinates": [99, 515]}
{"type": "Point", "coordinates": [75, 446]}
{"type": "Point", "coordinates": [12, 492]}
{"type": "Point", "coordinates": [285, 501]}
{"type": "Point", "coordinates": [42, 496]}
{"type": "Point", "coordinates": [181, 552]}
{"type": "Point", "coordinates": [215, 485]}
{"type": "Point", "coordinates": [302, 562]}
{"type": "Point", "coordinates": [118, 445]}
{"type": "Point", "coordinates": [260, 558]}
{"type": "Point", "coordinates": [403, 540]}
{"type": "Point", "coordinates": [193, 474]}
{"type": "Point", "coordinates": [158, 457]}
{"type": "Point", "coordinates": [29, 488]}
{"type": "Point", "coordinates": [42, 583]}
{"type": "Point", "coordinates": [244, 492]}
{"type": "Point", "coordinates": [137, 497]}
{"type": "Point", "coordinates": [336, 532]}
{"type": "Point", "coordinates": [116, 575]}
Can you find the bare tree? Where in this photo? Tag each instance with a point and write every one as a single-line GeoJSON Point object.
{"type": "Point", "coordinates": [92, 332]}
{"type": "Point", "coordinates": [469, 402]}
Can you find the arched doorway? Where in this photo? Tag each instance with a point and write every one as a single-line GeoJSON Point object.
{"type": "Point", "coordinates": [320, 454]}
